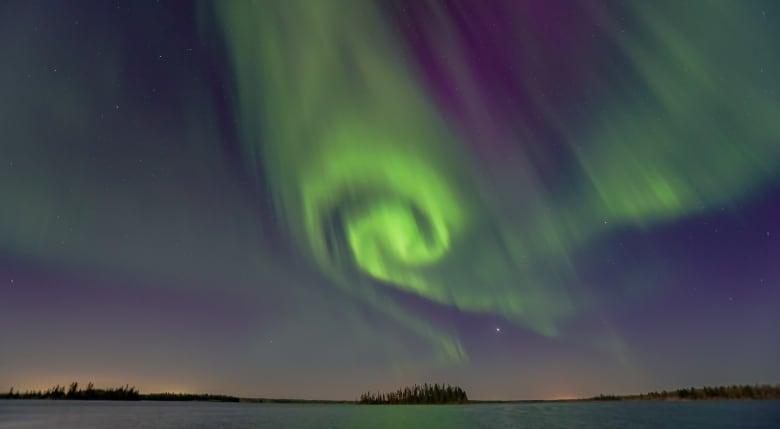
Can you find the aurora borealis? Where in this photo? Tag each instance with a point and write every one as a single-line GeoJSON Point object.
{"type": "Point", "coordinates": [311, 198]}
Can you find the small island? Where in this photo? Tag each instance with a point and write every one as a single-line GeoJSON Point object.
{"type": "Point", "coordinates": [425, 394]}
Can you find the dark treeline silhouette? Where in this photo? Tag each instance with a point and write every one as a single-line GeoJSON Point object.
{"type": "Point", "coordinates": [188, 397]}
{"type": "Point", "coordinates": [122, 393]}
{"type": "Point", "coordinates": [764, 391]}
{"type": "Point", "coordinates": [425, 394]}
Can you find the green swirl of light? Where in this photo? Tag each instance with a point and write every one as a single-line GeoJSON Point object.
{"type": "Point", "coordinates": [372, 184]}
{"type": "Point", "coordinates": [362, 170]}
{"type": "Point", "coordinates": [396, 211]}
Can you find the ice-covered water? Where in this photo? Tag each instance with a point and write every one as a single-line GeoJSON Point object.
{"type": "Point", "coordinates": [175, 415]}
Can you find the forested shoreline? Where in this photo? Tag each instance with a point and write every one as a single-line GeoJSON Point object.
{"type": "Point", "coordinates": [742, 391]}
{"type": "Point", "coordinates": [417, 394]}
{"type": "Point", "coordinates": [121, 393]}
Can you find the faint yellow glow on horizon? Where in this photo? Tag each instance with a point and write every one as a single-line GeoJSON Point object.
{"type": "Point", "coordinates": [563, 397]}
{"type": "Point", "coordinates": [35, 382]}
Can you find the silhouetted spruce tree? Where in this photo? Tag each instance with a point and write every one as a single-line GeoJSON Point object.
{"type": "Point", "coordinates": [73, 391]}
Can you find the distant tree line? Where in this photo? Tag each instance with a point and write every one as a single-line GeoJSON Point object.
{"type": "Point", "coordinates": [122, 393]}
{"type": "Point", "coordinates": [744, 391]}
{"type": "Point", "coordinates": [425, 394]}
{"type": "Point", "coordinates": [188, 397]}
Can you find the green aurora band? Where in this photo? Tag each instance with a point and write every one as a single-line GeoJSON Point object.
{"type": "Point", "coordinates": [366, 176]}
{"type": "Point", "coordinates": [372, 184]}
{"type": "Point", "coordinates": [354, 154]}
{"type": "Point", "coordinates": [703, 128]}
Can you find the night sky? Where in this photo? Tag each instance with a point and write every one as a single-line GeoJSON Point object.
{"type": "Point", "coordinates": [314, 198]}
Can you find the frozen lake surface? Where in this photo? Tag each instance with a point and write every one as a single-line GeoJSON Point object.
{"type": "Point", "coordinates": [633, 414]}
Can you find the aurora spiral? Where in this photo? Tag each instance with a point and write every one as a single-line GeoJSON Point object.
{"type": "Point", "coordinates": [376, 182]}
{"type": "Point", "coordinates": [310, 198]}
